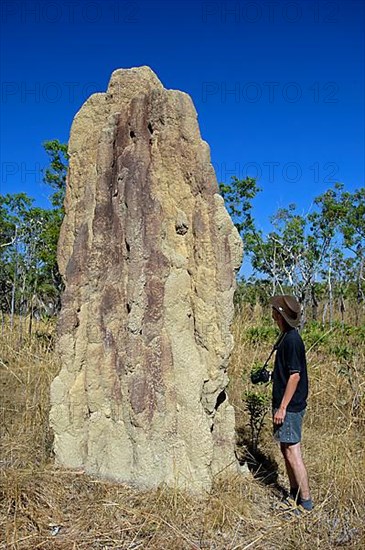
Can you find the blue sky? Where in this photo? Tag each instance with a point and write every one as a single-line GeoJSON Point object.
{"type": "Point", "coordinates": [278, 85]}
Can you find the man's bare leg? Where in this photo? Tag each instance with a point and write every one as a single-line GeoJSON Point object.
{"type": "Point", "coordinates": [294, 488]}
{"type": "Point", "coordinates": [296, 469]}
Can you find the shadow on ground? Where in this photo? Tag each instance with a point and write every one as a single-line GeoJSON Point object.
{"type": "Point", "coordinates": [263, 466]}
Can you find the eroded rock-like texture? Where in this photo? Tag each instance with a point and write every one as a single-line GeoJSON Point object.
{"type": "Point", "coordinates": [148, 253]}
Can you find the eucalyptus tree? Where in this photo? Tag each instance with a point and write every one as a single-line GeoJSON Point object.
{"type": "Point", "coordinates": [353, 230]}
{"type": "Point", "coordinates": [29, 276]}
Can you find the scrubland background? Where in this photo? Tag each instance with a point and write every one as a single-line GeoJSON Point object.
{"type": "Point", "coordinates": [49, 508]}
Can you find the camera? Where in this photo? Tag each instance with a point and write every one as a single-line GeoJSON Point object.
{"type": "Point", "coordinates": [261, 376]}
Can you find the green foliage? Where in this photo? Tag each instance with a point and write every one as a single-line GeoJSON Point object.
{"type": "Point", "coordinates": [55, 174]}
{"type": "Point", "coordinates": [353, 220]}
{"type": "Point", "coordinates": [316, 335]}
{"type": "Point", "coordinates": [343, 352]}
{"type": "Point", "coordinates": [261, 334]}
{"type": "Point", "coordinates": [320, 255]}
{"type": "Point", "coordinates": [340, 341]}
{"type": "Point", "coordinates": [252, 291]}
{"type": "Point", "coordinates": [29, 277]}
{"type": "Point", "coordinates": [353, 335]}
{"type": "Point", "coordinates": [257, 406]}
{"type": "Point", "coordinates": [238, 196]}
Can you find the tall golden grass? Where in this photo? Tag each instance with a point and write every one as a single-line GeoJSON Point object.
{"type": "Point", "coordinates": [49, 508]}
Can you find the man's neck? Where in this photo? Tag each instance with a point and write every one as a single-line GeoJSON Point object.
{"type": "Point", "coordinates": [283, 325]}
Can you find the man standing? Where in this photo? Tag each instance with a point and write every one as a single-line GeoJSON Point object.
{"type": "Point", "coordinates": [289, 395]}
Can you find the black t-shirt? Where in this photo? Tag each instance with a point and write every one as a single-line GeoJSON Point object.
{"type": "Point", "coordinates": [290, 358]}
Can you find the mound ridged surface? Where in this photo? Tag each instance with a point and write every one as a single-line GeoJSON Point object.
{"type": "Point", "coordinates": [148, 254]}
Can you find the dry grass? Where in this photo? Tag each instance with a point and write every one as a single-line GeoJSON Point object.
{"type": "Point", "coordinates": [43, 507]}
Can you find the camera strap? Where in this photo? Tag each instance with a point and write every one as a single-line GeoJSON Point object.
{"type": "Point", "coordinates": [275, 347]}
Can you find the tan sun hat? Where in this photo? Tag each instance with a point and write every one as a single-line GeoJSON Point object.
{"type": "Point", "coordinates": [288, 307]}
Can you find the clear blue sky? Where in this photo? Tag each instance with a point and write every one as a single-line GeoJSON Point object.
{"type": "Point", "coordinates": [278, 85]}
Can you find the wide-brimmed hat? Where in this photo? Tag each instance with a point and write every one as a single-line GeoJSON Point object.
{"type": "Point", "coordinates": [288, 307]}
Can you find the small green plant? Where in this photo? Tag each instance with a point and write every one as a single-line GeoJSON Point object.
{"type": "Point", "coordinates": [343, 352]}
{"type": "Point", "coordinates": [354, 335]}
{"type": "Point", "coordinates": [257, 405]}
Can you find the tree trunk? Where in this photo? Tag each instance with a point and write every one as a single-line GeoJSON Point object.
{"type": "Point", "coordinates": [342, 309]}
{"type": "Point", "coordinates": [330, 292]}
{"type": "Point", "coordinates": [324, 313]}
{"type": "Point", "coordinates": [360, 292]}
{"type": "Point", "coordinates": [12, 308]}
{"type": "Point", "coordinates": [314, 302]}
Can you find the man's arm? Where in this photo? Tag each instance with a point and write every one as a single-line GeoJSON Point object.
{"type": "Point", "coordinates": [288, 394]}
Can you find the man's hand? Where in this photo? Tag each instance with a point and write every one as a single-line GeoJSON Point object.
{"type": "Point", "coordinates": [291, 386]}
{"type": "Point", "coordinates": [279, 416]}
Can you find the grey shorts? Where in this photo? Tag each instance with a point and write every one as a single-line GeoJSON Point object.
{"type": "Point", "coordinates": [291, 429]}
